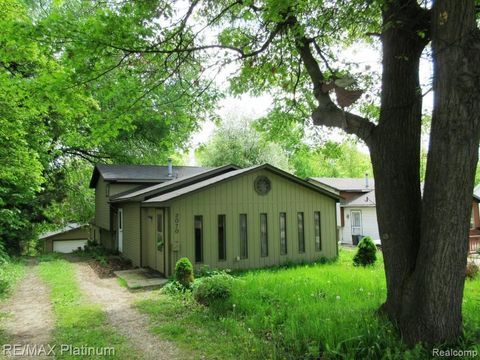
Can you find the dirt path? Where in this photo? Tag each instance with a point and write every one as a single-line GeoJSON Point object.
{"type": "Point", "coordinates": [30, 318]}
{"type": "Point", "coordinates": [127, 321]}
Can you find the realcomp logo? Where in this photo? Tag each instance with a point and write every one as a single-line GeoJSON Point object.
{"type": "Point", "coordinates": [52, 350]}
{"type": "Point", "coordinates": [451, 353]}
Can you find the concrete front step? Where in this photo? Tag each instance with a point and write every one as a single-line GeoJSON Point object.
{"type": "Point", "coordinates": [141, 278]}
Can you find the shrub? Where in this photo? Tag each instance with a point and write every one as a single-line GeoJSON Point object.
{"type": "Point", "coordinates": [184, 272]}
{"type": "Point", "coordinates": [3, 254]}
{"type": "Point", "coordinates": [214, 288]}
{"type": "Point", "coordinates": [366, 253]}
{"type": "Point", "coordinates": [472, 270]}
{"type": "Point", "coordinates": [173, 288]}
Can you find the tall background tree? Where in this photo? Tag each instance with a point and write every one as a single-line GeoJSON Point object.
{"type": "Point", "coordinates": [68, 101]}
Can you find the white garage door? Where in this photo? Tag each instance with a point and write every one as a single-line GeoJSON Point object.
{"type": "Point", "coordinates": [67, 246]}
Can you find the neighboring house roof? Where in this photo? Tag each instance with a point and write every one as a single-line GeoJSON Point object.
{"type": "Point", "coordinates": [67, 228]}
{"type": "Point", "coordinates": [367, 199]}
{"type": "Point", "coordinates": [232, 174]}
{"type": "Point", "coordinates": [140, 173]}
{"type": "Point", "coordinates": [143, 193]}
{"type": "Point", "coordinates": [346, 184]}
{"type": "Point", "coordinates": [476, 193]}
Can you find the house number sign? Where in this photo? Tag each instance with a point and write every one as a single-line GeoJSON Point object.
{"type": "Point", "coordinates": [177, 223]}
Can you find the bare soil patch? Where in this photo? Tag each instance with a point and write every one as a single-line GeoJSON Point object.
{"type": "Point", "coordinates": [106, 270]}
{"type": "Point", "coordinates": [127, 321]}
{"type": "Point", "coordinates": [29, 317]}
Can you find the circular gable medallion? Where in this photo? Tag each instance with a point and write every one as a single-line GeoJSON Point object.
{"type": "Point", "coordinates": [262, 185]}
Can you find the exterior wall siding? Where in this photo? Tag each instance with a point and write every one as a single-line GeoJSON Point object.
{"type": "Point", "coordinates": [237, 196]}
{"type": "Point", "coordinates": [369, 223]}
{"type": "Point", "coordinates": [131, 232]}
{"type": "Point", "coordinates": [102, 207]}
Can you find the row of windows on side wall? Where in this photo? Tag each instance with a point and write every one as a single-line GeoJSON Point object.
{"type": "Point", "coordinates": [243, 227]}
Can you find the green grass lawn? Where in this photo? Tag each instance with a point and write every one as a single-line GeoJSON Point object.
{"type": "Point", "coordinates": [297, 313]}
{"type": "Point", "coordinates": [78, 321]}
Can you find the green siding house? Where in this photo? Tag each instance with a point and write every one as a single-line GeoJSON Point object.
{"type": "Point", "coordinates": [222, 217]}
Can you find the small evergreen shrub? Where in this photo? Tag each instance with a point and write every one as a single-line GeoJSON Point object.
{"type": "Point", "coordinates": [214, 288]}
{"type": "Point", "coordinates": [184, 272]}
{"type": "Point", "coordinates": [472, 270]}
{"type": "Point", "coordinates": [366, 253]}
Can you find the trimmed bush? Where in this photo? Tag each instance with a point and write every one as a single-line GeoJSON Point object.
{"type": "Point", "coordinates": [214, 288]}
{"type": "Point", "coordinates": [184, 272]}
{"type": "Point", "coordinates": [366, 253]}
{"type": "Point", "coordinates": [472, 270]}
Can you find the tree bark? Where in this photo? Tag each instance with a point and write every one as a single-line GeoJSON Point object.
{"type": "Point", "coordinates": [433, 309]}
{"type": "Point", "coordinates": [426, 241]}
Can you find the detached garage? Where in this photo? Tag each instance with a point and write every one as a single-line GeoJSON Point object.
{"type": "Point", "coordinates": [67, 239]}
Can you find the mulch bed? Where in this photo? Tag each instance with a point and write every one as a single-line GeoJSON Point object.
{"type": "Point", "coordinates": [115, 263]}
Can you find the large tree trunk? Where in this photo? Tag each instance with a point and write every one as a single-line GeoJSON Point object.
{"type": "Point", "coordinates": [395, 148]}
{"type": "Point", "coordinates": [425, 243]}
{"type": "Point", "coordinates": [434, 313]}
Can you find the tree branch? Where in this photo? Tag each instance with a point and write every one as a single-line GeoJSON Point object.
{"type": "Point", "coordinates": [327, 113]}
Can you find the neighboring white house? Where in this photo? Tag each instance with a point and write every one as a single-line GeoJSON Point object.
{"type": "Point", "coordinates": [357, 214]}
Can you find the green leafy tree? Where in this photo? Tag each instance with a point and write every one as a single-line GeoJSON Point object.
{"type": "Point", "coordinates": [236, 142]}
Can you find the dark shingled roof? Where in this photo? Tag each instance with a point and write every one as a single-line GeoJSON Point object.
{"type": "Point", "coordinates": [144, 192]}
{"type": "Point", "coordinates": [140, 173]}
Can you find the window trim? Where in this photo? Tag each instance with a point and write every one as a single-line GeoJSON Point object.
{"type": "Point", "coordinates": [301, 231]}
{"type": "Point", "coordinates": [224, 235]}
{"type": "Point", "coordinates": [317, 218]}
{"type": "Point", "coordinates": [200, 217]}
{"type": "Point", "coordinates": [284, 244]}
{"type": "Point", "coordinates": [264, 236]}
{"type": "Point", "coordinates": [243, 256]}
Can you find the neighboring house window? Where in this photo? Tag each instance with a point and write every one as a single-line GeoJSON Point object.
{"type": "Point", "coordinates": [243, 237]}
{"type": "Point", "coordinates": [318, 231]}
{"type": "Point", "coordinates": [198, 238]}
{"type": "Point", "coordinates": [283, 233]}
{"type": "Point", "coordinates": [301, 232]}
{"type": "Point", "coordinates": [263, 235]}
{"type": "Point", "coordinates": [222, 239]}
{"type": "Point", "coordinates": [107, 190]}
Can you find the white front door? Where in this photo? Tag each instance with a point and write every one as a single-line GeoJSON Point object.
{"type": "Point", "coordinates": [356, 222]}
{"type": "Point", "coordinates": [120, 230]}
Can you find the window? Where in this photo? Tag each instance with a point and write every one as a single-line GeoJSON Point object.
{"type": "Point", "coordinates": [301, 233]}
{"type": "Point", "coordinates": [283, 233]}
{"type": "Point", "coordinates": [107, 190]}
{"type": "Point", "coordinates": [263, 235]}
{"type": "Point", "coordinates": [198, 238]}
{"type": "Point", "coordinates": [318, 231]}
{"type": "Point", "coordinates": [243, 237]}
{"type": "Point", "coordinates": [222, 241]}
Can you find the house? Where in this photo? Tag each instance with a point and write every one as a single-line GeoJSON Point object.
{"type": "Point", "coordinates": [223, 217]}
{"type": "Point", "coordinates": [358, 216]}
{"type": "Point", "coordinates": [474, 238]}
{"type": "Point", "coordinates": [357, 210]}
{"type": "Point", "coordinates": [67, 239]}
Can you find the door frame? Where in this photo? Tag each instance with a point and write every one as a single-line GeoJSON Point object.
{"type": "Point", "coordinates": [160, 211]}
{"type": "Point", "coordinates": [120, 226]}
{"type": "Point", "coordinates": [351, 222]}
